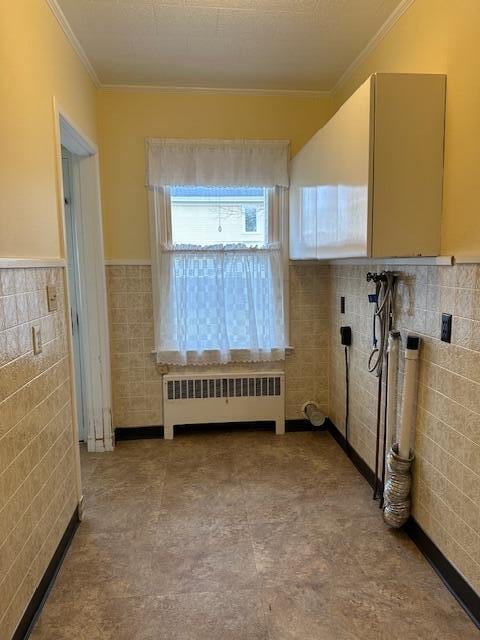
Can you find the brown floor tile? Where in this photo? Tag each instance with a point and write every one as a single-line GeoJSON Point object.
{"type": "Point", "coordinates": [199, 555]}
{"type": "Point", "coordinates": [119, 510]}
{"type": "Point", "coordinates": [198, 616]}
{"type": "Point", "coordinates": [205, 485]}
{"type": "Point", "coordinates": [302, 552]}
{"type": "Point", "coordinates": [240, 536]}
{"type": "Point", "coordinates": [120, 563]}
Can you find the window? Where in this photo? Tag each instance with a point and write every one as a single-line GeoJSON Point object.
{"type": "Point", "coordinates": [217, 252]}
{"type": "Point", "coordinates": [250, 219]}
{"type": "Point", "coordinates": [219, 215]}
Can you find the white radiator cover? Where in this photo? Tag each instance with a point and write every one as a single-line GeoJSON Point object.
{"type": "Point", "coordinates": [205, 398]}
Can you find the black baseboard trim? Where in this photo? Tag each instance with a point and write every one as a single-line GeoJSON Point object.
{"type": "Point", "coordinates": [140, 433]}
{"type": "Point", "coordinates": [453, 580]}
{"type": "Point", "coordinates": [37, 601]}
{"type": "Point", "coordinates": [137, 433]}
{"type": "Point", "coordinates": [301, 424]}
{"type": "Point", "coordinates": [357, 460]}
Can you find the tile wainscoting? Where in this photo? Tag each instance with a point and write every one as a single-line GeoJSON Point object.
{"type": "Point", "coordinates": [136, 383]}
{"type": "Point", "coordinates": [38, 491]}
{"type": "Point", "coordinates": [446, 480]}
{"type": "Point", "coordinates": [447, 473]}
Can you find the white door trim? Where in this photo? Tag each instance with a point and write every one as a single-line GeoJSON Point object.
{"type": "Point", "coordinates": [95, 345]}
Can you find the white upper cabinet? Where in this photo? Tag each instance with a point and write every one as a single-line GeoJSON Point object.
{"type": "Point", "coordinates": [369, 183]}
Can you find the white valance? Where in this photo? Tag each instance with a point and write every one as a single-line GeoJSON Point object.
{"type": "Point", "coordinates": [246, 163]}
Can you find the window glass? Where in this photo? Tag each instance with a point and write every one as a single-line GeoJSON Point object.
{"type": "Point", "coordinates": [219, 215]}
{"type": "Point", "coordinates": [251, 219]}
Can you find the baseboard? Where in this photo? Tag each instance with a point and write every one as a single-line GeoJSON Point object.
{"type": "Point", "coordinates": [453, 580]}
{"type": "Point", "coordinates": [357, 460]}
{"type": "Point", "coordinates": [37, 601]}
{"type": "Point", "coordinates": [301, 424]}
{"type": "Point", "coordinates": [139, 433]}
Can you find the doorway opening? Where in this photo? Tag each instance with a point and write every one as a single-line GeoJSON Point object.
{"type": "Point", "coordinates": [85, 284]}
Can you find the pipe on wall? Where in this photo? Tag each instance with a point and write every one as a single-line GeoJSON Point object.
{"type": "Point", "coordinates": [409, 398]}
{"type": "Point", "coordinates": [393, 351]}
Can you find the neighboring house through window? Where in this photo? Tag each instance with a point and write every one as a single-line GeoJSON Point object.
{"type": "Point", "coordinates": [219, 215]}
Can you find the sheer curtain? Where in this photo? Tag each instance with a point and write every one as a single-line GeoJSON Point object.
{"type": "Point", "coordinates": [224, 304]}
{"type": "Point", "coordinates": [218, 303]}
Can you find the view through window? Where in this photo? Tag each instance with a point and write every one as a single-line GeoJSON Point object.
{"type": "Point", "coordinates": [219, 215]}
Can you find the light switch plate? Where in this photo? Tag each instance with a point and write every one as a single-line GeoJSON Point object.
{"type": "Point", "coordinates": [37, 340]}
{"type": "Point", "coordinates": [52, 297]}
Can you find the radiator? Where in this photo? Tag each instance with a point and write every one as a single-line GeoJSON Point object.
{"type": "Point", "coordinates": [201, 399]}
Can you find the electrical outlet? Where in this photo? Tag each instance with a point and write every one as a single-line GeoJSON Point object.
{"type": "Point", "coordinates": [346, 336]}
{"type": "Point", "coordinates": [37, 340]}
{"type": "Point", "coordinates": [52, 297]}
{"type": "Point", "coordinates": [446, 335]}
{"type": "Point", "coordinates": [342, 304]}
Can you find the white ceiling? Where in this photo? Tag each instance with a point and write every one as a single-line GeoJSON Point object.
{"type": "Point", "coordinates": [257, 44]}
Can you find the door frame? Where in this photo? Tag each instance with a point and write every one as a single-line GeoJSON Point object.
{"type": "Point", "coordinates": [92, 282]}
{"type": "Point", "coordinates": [74, 292]}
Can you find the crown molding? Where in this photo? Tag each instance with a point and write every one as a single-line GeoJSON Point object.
{"type": "Point", "coordinates": [306, 93]}
{"type": "Point", "coordinates": [392, 19]}
{"type": "Point", "coordinates": [72, 38]}
{"type": "Point", "coordinates": [381, 33]}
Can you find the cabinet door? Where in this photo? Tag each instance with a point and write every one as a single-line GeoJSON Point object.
{"type": "Point", "coordinates": [408, 177]}
{"type": "Point", "coordinates": [303, 222]}
{"type": "Point", "coordinates": [329, 190]}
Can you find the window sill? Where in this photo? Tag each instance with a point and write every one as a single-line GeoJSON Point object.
{"type": "Point", "coordinates": [288, 352]}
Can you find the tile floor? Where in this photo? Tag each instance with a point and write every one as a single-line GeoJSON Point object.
{"type": "Point", "coordinates": [240, 536]}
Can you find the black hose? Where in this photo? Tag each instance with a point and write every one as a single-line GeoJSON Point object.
{"type": "Point", "coordinates": [377, 444]}
{"type": "Point", "coordinates": [384, 445]}
{"type": "Point", "coordinates": [347, 393]}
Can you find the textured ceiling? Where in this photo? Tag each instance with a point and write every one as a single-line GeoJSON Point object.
{"type": "Point", "coordinates": [258, 44]}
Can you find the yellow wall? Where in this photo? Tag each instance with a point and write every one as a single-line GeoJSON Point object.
{"type": "Point", "coordinates": [37, 63]}
{"type": "Point", "coordinates": [126, 118]}
{"type": "Point", "coordinates": [441, 36]}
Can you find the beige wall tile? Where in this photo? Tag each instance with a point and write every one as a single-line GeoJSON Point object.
{"type": "Point", "coordinates": [37, 481]}
{"type": "Point", "coordinates": [446, 484]}
{"type": "Point", "coordinates": [131, 334]}
{"type": "Point", "coordinates": [447, 475]}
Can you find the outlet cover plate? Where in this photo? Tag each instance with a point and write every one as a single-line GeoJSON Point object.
{"type": "Point", "coordinates": [52, 297]}
{"type": "Point", "coordinates": [37, 340]}
{"type": "Point", "coordinates": [446, 333]}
